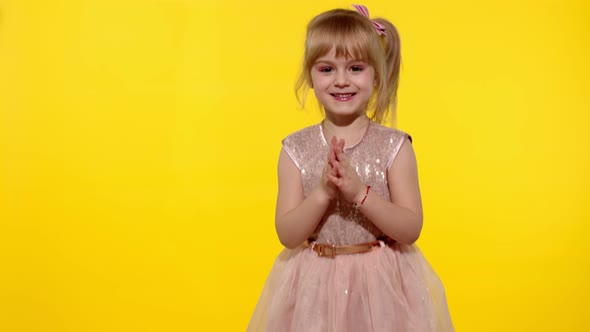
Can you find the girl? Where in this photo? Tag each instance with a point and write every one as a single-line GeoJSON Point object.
{"type": "Point", "coordinates": [349, 207]}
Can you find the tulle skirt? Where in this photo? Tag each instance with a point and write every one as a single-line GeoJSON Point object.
{"type": "Point", "coordinates": [388, 289]}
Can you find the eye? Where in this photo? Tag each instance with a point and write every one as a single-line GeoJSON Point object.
{"type": "Point", "coordinates": [325, 69]}
{"type": "Point", "coordinates": [357, 68]}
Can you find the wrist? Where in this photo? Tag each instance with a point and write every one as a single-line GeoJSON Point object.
{"type": "Point", "coordinates": [321, 196]}
{"type": "Point", "coordinates": [361, 197]}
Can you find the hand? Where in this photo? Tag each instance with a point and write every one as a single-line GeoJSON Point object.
{"type": "Point", "coordinates": [327, 187]}
{"type": "Point", "coordinates": [346, 179]}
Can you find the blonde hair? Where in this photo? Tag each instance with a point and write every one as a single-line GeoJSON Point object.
{"type": "Point", "coordinates": [352, 35]}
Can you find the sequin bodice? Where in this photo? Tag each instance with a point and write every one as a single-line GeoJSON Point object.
{"type": "Point", "coordinates": [370, 157]}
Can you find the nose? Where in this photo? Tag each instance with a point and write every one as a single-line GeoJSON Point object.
{"type": "Point", "coordinates": [341, 79]}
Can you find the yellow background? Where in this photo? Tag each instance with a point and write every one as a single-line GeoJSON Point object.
{"type": "Point", "coordinates": [139, 141]}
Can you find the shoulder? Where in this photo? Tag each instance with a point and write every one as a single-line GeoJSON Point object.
{"type": "Point", "coordinates": [308, 136]}
{"type": "Point", "coordinates": [302, 135]}
{"type": "Point", "coordinates": [391, 139]}
{"type": "Point", "coordinates": [390, 134]}
{"type": "Point", "coordinates": [297, 145]}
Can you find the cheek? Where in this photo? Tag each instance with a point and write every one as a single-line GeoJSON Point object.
{"type": "Point", "coordinates": [314, 80]}
{"type": "Point", "coordinates": [369, 83]}
{"type": "Point", "coordinates": [372, 81]}
{"type": "Point", "coordinates": [317, 81]}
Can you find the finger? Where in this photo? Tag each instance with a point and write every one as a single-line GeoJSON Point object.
{"type": "Point", "coordinates": [340, 155]}
{"type": "Point", "coordinates": [327, 168]}
{"type": "Point", "coordinates": [332, 158]}
{"type": "Point", "coordinates": [342, 171]}
{"type": "Point", "coordinates": [337, 169]}
{"type": "Point", "coordinates": [333, 142]}
{"type": "Point", "coordinates": [334, 179]}
{"type": "Point", "coordinates": [340, 148]}
{"type": "Point", "coordinates": [334, 147]}
{"type": "Point", "coordinates": [335, 166]}
{"type": "Point", "coordinates": [334, 171]}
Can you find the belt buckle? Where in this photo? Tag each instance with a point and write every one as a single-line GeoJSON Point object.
{"type": "Point", "coordinates": [326, 250]}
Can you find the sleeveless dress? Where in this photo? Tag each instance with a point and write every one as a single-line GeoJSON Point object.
{"type": "Point", "coordinates": [391, 288]}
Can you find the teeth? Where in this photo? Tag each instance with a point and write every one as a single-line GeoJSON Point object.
{"type": "Point", "coordinates": [343, 95]}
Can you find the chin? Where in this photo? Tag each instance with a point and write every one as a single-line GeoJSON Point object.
{"type": "Point", "coordinates": [345, 113]}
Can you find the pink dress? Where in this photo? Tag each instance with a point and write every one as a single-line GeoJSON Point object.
{"type": "Point", "coordinates": [392, 288]}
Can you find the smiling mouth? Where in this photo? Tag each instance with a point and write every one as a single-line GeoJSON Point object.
{"type": "Point", "coordinates": [343, 96]}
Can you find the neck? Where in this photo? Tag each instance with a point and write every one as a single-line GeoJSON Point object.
{"type": "Point", "coordinates": [351, 130]}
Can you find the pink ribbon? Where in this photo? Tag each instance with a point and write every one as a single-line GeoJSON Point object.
{"type": "Point", "coordinates": [365, 12]}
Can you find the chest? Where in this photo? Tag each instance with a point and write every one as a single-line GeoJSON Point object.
{"type": "Point", "coordinates": [370, 165]}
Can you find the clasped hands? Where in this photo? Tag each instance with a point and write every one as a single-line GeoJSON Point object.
{"type": "Point", "coordinates": [339, 176]}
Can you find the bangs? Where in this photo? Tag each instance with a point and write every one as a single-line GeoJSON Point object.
{"type": "Point", "coordinates": [347, 35]}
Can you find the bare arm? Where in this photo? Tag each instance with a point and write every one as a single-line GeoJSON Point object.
{"type": "Point", "coordinates": [400, 218]}
{"type": "Point", "coordinates": [298, 216]}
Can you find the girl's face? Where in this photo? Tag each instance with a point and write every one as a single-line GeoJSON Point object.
{"type": "Point", "coordinates": [342, 85]}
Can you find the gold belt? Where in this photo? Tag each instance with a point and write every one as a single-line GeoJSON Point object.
{"type": "Point", "coordinates": [330, 250]}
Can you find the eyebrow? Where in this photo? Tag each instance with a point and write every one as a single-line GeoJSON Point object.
{"type": "Point", "coordinates": [332, 63]}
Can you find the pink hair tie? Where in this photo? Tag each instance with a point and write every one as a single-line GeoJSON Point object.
{"type": "Point", "coordinates": [365, 12]}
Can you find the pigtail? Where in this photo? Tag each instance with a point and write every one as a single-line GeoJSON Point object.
{"type": "Point", "coordinates": [387, 89]}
